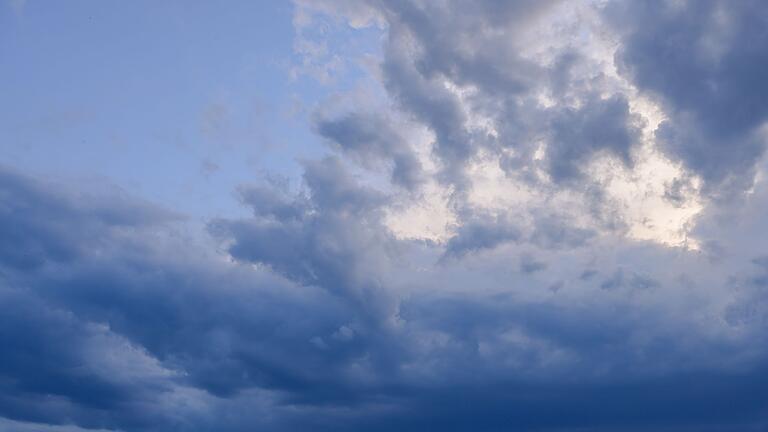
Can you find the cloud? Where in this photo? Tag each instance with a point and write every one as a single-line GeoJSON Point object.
{"type": "Point", "coordinates": [537, 311]}
{"type": "Point", "coordinates": [373, 138]}
{"type": "Point", "coordinates": [333, 238]}
{"type": "Point", "coordinates": [579, 133]}
{"type": "Point", "coordinates": [345, 327]}
{"type": "Point", "coordinates": [34, 235]}
{"type": "Point", "coordinates": [124, 331]}
{"type": "Point", "coordinates": [481, 234]}
{"type": "Point", "coordinates": [701, 59]}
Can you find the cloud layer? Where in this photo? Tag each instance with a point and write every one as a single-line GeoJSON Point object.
{"type": "Point", "coordinates": [531, 216]}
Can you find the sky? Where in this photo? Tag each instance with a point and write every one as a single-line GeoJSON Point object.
{"type": "Point", "coordinates": [369, 215]}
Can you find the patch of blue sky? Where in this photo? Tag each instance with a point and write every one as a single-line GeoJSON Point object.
{"type": "Point", "coordinates": [178, 101]}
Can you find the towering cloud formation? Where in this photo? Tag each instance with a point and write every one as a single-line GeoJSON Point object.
{"type": "Point", "coordinates": [541, 216]}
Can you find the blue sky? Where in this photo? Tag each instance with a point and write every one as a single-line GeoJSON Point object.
{"type": "Point", "coordinates": [154, 97]}
{"type": "Point", "coordinates": [406, 215]}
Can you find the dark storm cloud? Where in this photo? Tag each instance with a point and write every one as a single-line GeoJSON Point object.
{"type": "Point", "coordinates": [44, 354]}
{"type": "Point", "coordinates": [177, 321]}
{"type": "Point", "coordinates": [56, 367]}
{"type": "Point", "coordinates": [631, 405]}
{"type": "Point", "coordinates": [705, 61]}
{"type": "Point", "coordinates": [111, 335]}
{"type": "Point", "coordinates": [36, 225]}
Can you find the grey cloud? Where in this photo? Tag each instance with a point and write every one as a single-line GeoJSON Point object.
{"type": "Point", "coordinates": [549, 231]}
{"type": "Point", "coordinates": [588, 274]}
{"type": "Point", "coordinates": [432, 104]}
{"type": "Point", "coordinates": [554, 231]}
{"type": "Point", "coordinates": [334, 189]}
{"type": "Point", "coordinates": [220, 334]}
{"type": "Point", "coordinates": [577, 134]}
{"type": "Point", "coordinates": [633, 280]}
{"type": "Point", "coordinates": [429, 42]}
{"type": "Point", "coordinates": [529, 264]}
{"type": "Point", "coordinates": [703, 60]}
{"type": "Point", "coordinates": [272, 202]}
{"type": "Point", "coordinates": [749, 308]}
{"type": "Point", "coordinates": [678, 190]}
{"type": "Point", "coordinates": [373, 138]}
{"type": "Point", "coordinates": [314, 316]}
{"type": "Point", "coordinates": [45, 353]}
{"type": "Point", "coordinates": [474, 46]}
{"type": "Point", "coordinates": [33, 235]}
{"type": "Point", "coordinates": [481, 234]}
{"type": "Point", "coordinates": [177, 324]}
{"type": "Point", "coordinates": [335, 238]}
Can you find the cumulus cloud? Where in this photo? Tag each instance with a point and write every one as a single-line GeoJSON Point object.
{"type": "Point", "coordinates": [702, 60]}
{"type": "Point", "coordinates": [372, 138]}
